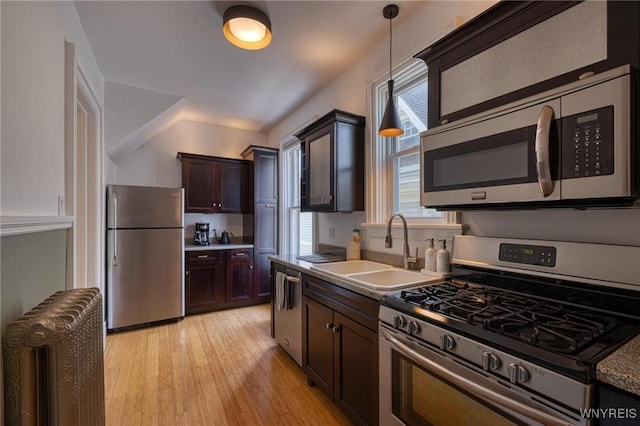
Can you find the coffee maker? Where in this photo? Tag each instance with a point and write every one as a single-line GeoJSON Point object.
{"type": "Point", "coordinates": [201, 235]}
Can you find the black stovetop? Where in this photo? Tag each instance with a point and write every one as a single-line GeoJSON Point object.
{"type": "Point", "coordinates": [550, 321]}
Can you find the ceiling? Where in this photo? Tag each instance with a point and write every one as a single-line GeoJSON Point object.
{"type": "Point", "coordinates": [177, 47]}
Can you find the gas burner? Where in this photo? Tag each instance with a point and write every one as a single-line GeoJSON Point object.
{"type": "Point", "coordinates": [549, 325]}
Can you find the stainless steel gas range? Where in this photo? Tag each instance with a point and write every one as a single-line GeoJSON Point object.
{"type": "Point", "coordinates": [513, 337]}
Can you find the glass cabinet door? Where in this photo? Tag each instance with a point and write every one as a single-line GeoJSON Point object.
{"type": "Point", "coordinates": [319, 158]}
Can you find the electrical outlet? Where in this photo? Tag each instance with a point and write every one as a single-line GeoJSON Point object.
{"type": "Point", "coordinates": [332, 233]}
{"type": "Point", "coordinates": [363, 235]}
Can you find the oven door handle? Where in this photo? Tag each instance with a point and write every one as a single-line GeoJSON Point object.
{"type": "Point", "coordinates": [474, 388]}
{"type": "Point", "coordinates": [543, 165]}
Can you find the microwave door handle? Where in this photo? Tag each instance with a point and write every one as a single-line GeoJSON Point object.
{"type": "Point", "coordinates": [543, 166]}
{"type": "Point", "coordinates": [473, 387]}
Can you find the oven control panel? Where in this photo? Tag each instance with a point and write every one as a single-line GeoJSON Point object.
{"type": "Point", "coordinates": [528, 254]}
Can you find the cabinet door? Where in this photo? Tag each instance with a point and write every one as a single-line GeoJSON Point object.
{"type": "Point", "coordinates": [266, 177]}
{"type": "Point", "coordinates": [320, 171]}
{"type": "Point", "coordinates": [356, 370]}
{"type": "Point", "coordinates": [239, 280]}
{"type": "Point", "coordinates": [262, 281]}
{"type": "Point", "coordinates": [317, 341]}
{"type": "Point", "coordinates": [197, 179]}
{"type": "Point", "coordinates": [231, 187]}
{"type": "Point", "coordinates": [204, 287]}
{"type": "Point", "coordinates": [267, 227]}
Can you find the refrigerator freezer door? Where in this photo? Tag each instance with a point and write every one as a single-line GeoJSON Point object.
{"type": "Point", "coordinates": [144, 207]}
{"type": "Point", "coordinates": [145, 276]}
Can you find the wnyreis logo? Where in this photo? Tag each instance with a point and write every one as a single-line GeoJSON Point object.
{"type": "Point", "coordinates": [608, 413]}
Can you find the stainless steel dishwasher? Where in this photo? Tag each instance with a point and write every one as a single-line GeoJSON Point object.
{"type": "Point", "coordinates": [287, 311]}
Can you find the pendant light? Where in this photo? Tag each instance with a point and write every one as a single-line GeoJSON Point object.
{"type": "Point", "coordinates": [246, 27]}
{"type": "Point", "coordinates": [390, 125]}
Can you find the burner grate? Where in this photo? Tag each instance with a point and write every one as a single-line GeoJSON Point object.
{"type": "Point", "coordinates": [549, 325]}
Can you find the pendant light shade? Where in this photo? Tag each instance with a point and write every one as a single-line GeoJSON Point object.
{"type": "Point", "coordinates": [247, 27]}
{"type": "Point", "coordinates": [390, 125]}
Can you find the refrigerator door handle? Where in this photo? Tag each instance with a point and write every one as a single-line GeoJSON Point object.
{"type": "Point", "coordinates": [114, 197]}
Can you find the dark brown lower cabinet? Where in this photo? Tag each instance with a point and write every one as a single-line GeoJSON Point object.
{"type": "Point", "coordinates": [340, 353]}
{"type": "Point", "coordinates": [218, 279]}
{"type": "Point", "coordinates": [239, 275]}
{"type": "Point", "coordinates": [204, 271]}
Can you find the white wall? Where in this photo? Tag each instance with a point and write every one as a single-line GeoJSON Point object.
{"type": "Point", "coordinates": [33, 36]}
{"type": "Point", "coordinates": [128, 108]}
{"type": "Point", "coordinates": [606, 226]}
{"type": "Point", "coordinates": [351, 91]}
{"type": "Point", "coordinates": [411, 34]}
{"type": "Point", "coordinates": [155, 163]}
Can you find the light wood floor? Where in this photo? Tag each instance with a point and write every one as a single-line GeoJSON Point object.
{"type": "Point", "coordinates": [220, 368]}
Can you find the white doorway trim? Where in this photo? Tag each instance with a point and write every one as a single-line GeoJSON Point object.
{"type": "Point", "coordinates": [84, 178]}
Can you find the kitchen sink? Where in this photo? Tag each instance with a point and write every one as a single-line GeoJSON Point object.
{"type": "Point", "coordinates": [351, 267]}
{"type": "Point", "coordinates": [373, 275]}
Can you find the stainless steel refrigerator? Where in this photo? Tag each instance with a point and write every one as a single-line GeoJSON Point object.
{"type": "Point", "coordinates": [145, 262]}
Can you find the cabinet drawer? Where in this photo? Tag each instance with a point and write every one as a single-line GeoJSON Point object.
{"type": "Point", "coordinates": [359, 308]}
{"type": "Point", "coordinates": [239, 254]}
{"type": "Point", "coordinates": [203, 256]}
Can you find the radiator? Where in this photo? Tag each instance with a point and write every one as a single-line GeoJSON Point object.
{"type": "Point", "coordinates": [53, 362]}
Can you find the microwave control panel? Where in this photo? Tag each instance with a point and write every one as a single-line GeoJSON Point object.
{"type": "Point", "coordinates": [587, 144]}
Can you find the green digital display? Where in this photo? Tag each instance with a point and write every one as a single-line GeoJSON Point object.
{"type": "Point", "coordinates": [527, 251]}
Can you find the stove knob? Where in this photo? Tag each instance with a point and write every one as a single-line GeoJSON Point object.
{"type": "Point", "coordinates": [399, 321]}
{"type": "Point", "coordinates": [447, 343]}
{"type": "Point", "coordinates": [490, 361]}
{"type": "Point", "coordinates": [414, 327]}
{"type": "Point", "coordinates": [518, 374]}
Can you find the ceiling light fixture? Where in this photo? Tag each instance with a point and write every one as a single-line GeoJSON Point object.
{"type": "Point", "coordinates": [246, 27]}
{"type": "Point", "coordinates": [390, 125]}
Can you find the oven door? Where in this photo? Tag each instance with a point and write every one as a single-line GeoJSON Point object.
{"type": "Point", "coordinates": [420, 386]}
{"type": "Point", "coordinates": [509, 158]}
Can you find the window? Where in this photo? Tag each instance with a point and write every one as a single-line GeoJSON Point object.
{"type": "Point", "coordinates": [401, 155]}
{"type": "Point", "coordinates": [297, 229]}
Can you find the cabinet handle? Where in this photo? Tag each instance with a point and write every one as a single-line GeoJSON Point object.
{"type": "Point", "coordinates": [251, 267]}
{"type": "Point", "coordinates": [219, 204]}
{"type": "Point", "coordinates": [240, 254]}
{"type": "Point", "coordinates": [186, 272]}
{"type": "Point", "coordinates": [335, 329]}
{"type": "Point", "coordinates": [329, 325]}
{"type": "Point", "coordinates": [203, 256]}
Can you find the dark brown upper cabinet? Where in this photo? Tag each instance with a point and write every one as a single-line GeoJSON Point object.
{"type": "Point", "coordinates": [214, 184]}
{"type": "Point", "coordinates": [262, 223]}
{"type": "Point", "coordinates": [332, 159]}
{"type": "Point", "coordinates": [517, 49]}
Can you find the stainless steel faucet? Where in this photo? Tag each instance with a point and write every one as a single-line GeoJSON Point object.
{"type": "Point", "coordinates": [388, 241]}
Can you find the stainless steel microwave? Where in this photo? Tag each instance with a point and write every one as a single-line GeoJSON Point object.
{"type": "Point", "coordinates": [575, 146]}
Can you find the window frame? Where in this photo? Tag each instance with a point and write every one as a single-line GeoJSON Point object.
{"type": "Point", "coordinates": [381, 203]}
{"type": "Point", "coordinates": [290, 200]}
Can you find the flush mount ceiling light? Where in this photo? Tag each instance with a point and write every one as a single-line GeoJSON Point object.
{"type": "Point", "coordinates": [390, 125]}
{"type": "Point", "coordinates": [247, 27]}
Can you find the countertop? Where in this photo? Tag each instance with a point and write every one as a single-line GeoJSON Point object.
{"type": "Point", "coordinates": [193, 247]}
{"type": "Point", "coordinates": [293, 262]}
{"type": "Point", "coordinates": [621, 369]}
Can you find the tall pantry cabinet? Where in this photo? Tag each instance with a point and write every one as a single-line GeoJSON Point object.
{"type": "Point", "coordinates": [262, 220]}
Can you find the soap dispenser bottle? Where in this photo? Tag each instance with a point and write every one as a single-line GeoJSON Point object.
{"type": "Point", "coordinates": [442, 258]}
{"type": "Point", "coordinates": [353, 248]}
{"type": "Point", "coordinates": [430, 256]}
